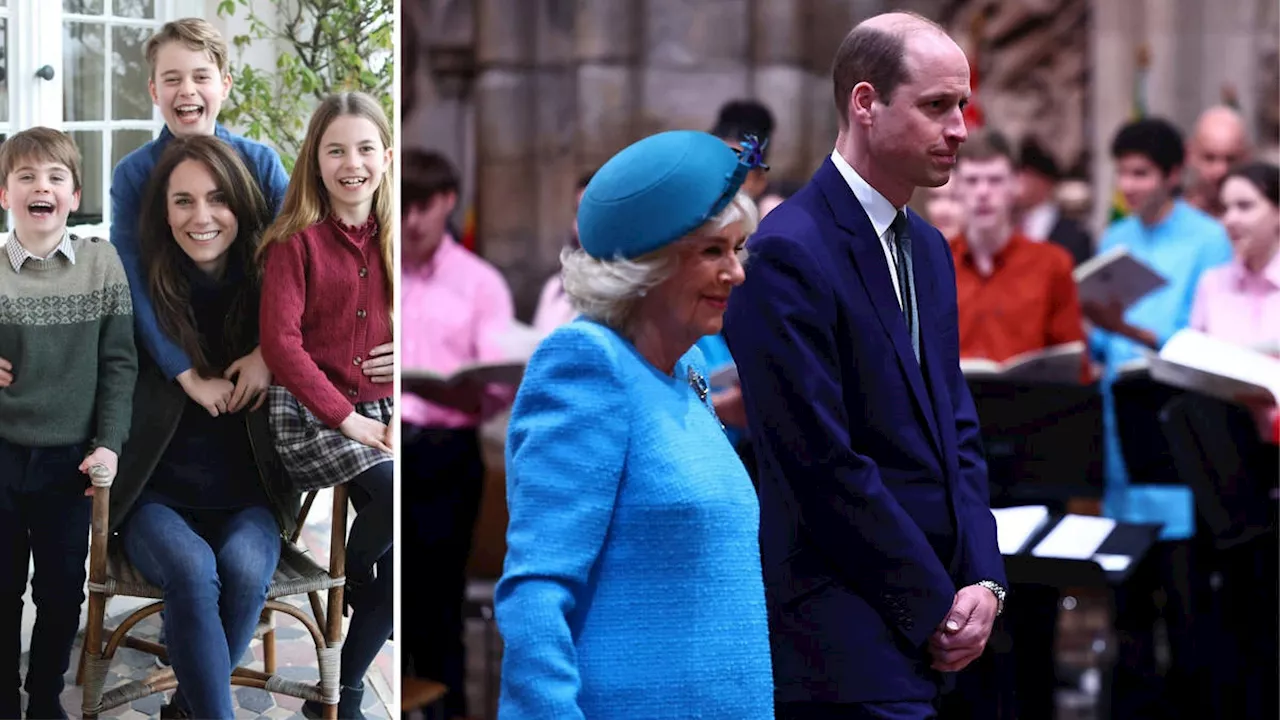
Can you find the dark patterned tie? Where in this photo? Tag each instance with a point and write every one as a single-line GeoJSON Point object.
{"type": "Point", "coordinates": [902, 250]}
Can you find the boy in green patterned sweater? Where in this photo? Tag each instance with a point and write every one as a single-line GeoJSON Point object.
{"type": "Point", "coordinates": [66, 394]}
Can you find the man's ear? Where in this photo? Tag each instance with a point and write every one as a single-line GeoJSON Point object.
{"type": "Point", "coordinates": [861, 100]}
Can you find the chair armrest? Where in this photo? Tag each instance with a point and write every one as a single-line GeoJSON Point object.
{"type": "Point", "coordinates": [100, 523]}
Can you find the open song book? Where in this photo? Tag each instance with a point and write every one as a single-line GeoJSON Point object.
{"type": "Point", "coordinates": [1015, 526]}
{"type": "Point", "coordinates": [1057, 364]}
{"type": "Point", "coordinates": [1115, 276]}
{"type": "Point", "coordinates": [1195, 361]}
{"type": "Point", "coordinates": [516, 346]}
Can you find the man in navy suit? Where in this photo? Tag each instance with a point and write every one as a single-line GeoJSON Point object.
{"type": "Point", "coordinates": [881, 566]}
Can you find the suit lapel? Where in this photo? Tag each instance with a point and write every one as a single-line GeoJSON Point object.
{"type": "Point", "coordinates": [869, 261]}
{"type": "Point", "coordinates": [930, 333]}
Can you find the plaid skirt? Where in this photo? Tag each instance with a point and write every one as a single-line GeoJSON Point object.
{"type": "Point", "coordinates": [315, 455]}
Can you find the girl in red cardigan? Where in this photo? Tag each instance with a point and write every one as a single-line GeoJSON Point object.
{"type": "Point", "coordinates": [326, 333]}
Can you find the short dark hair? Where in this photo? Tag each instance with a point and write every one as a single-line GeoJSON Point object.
{"type": "Point", "coordinates": [739, 118]}
{"type": "Point", "coordinates": [425, 174]}
{"type": "Point", "coordinates": [871, 55]}
{"type": "Point", "coordinates": [1035, 158]}
{"type": "Point", "coordinates": [1264, 176]}
{"type": "Point", "coordinates": [1156, 139]}
{"type": "Point", "coordinates": [987, 145]}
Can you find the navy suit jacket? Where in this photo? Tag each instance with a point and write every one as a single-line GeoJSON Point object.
{"type": "Point", "coordinates": [873, 486]}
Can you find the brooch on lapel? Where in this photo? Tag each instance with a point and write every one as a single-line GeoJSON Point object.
{"type": "Point", "coordinates": [699, 385]}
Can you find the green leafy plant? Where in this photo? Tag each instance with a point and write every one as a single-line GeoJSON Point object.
{"type": "Point", "coordinates": [325, 46]}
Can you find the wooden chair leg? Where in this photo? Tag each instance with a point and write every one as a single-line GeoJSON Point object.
{"type": "Point", "coordinates": [269, 652]}
{"type": "Point", "coordinates": [80, 665]}
{"type": "Point", "coordinates": [92, 647]}
{"type": "Point", "coordinates": [268, 641]}
{"type": "Point", "coordinates": [337, 568]}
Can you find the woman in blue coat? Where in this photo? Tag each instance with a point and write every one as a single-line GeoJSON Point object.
{"type": "Point", "coordinates": [632, 586]}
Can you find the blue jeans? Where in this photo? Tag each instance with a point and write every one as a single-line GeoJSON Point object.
{"type": "Point", "coordinates": [214, 568]}
{"type": "Point", "coordinates": [44, 515]}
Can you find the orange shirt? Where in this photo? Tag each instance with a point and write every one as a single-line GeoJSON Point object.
{"type": "Point", "coordinates": [1029, 302]}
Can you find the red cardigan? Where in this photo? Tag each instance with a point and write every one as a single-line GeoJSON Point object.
{"type": "Point", "coordinates": [324, 306]}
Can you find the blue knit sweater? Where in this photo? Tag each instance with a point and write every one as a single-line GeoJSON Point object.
{"type": "Point", "coordinates": [632, 586]}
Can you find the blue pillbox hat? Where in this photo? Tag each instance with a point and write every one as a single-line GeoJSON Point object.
{"type": "Point", "coordinates": [660, 189]}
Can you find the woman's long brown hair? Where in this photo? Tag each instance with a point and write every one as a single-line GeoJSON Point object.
{"type": "Point", "coordinates": [167, 266]}
{"type": "Point", "coordinates": [306, 202]}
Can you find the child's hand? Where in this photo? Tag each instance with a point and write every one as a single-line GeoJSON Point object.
{"type": "Point", "coordinates": [380, 367]}
{"type": "Point", "coordinates": [100, 456]}
{"type": "Point", "coordinates": [6, 373]}
{"type": "Point", "coordinates": [387, 436]}
{"type": "Point", "coordinates": [252, 383]}
{"type": "Point", "coordinates": [365, 431]}
{"type": "Point", "coordinates": [212, 394]}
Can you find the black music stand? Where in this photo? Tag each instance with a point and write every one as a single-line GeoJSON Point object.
{"type": "Point", "coordinates": [1147, 456]}
{"type": "Point", "coordinates": [1218, 454]}
{"type": "Point", "coordinates": [1043, 441]}
{"type": "Point", "coordinates": [1128, 540]}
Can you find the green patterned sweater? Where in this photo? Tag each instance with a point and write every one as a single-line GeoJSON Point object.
{"type": "Point", "coordinates": [67, 329]}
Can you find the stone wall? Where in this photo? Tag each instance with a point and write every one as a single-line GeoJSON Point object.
{"type": "Point", "coordinates": [525, 95]}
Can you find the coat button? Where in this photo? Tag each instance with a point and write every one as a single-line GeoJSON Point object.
{"type": "Point", "coordinates": [352, 392]}
{"type": "Point", "coordinates": [357, 360]}
{"type": "Point", "coordinates": [360, 314]}
{"type": "Point", "coordinates": [364, 272]}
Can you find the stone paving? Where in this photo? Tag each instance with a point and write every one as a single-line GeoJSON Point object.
{"type": "Point", "coordinates": [295, 656]}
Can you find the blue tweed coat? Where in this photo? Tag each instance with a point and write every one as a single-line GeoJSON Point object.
{"type": "Point", "coordinates": [632, 586]}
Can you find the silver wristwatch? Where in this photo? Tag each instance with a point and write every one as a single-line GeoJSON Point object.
{"type": "Point", "coordinates": [996, 590]}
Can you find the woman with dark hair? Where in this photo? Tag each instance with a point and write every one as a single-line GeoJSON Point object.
{"type": "Point", "coordinates": [1240, 302]}
{"type": "Point", "coordinates": [200, 502]}
{"type": "Point", "coordinates": [1251, 198]}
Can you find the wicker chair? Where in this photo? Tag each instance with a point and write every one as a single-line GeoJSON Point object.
{"type": "Point", "coordinates": [111, 574]}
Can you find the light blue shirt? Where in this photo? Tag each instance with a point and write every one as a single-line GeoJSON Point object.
{"type": "Point", "coordinates": [716, 352]}
{"type": "Point", "coordinates": [1180, 247]}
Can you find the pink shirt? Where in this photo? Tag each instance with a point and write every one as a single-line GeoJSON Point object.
{"type": "Point", "coordinates": [554, 308]}
{"type": "Point", "coordinates": [1241, 307]}
{"type": "Point", "coordinates": [453, 306]}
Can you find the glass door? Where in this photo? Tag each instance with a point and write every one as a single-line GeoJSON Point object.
{"type": "Point", "coordinates": [84, 70]}
{"type": "Point", "coordinates": [105, 102]}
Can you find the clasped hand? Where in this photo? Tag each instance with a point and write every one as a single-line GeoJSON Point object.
{"type": "Point", "coordinates": [245, 381]}
{"type": "Point", "coordinates": [963, 634]}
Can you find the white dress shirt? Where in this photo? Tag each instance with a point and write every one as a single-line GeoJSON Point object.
{"type": "Point", "coordinates": [880, 212]}
{"type": "Point", "coordinates": [1039, 221]}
